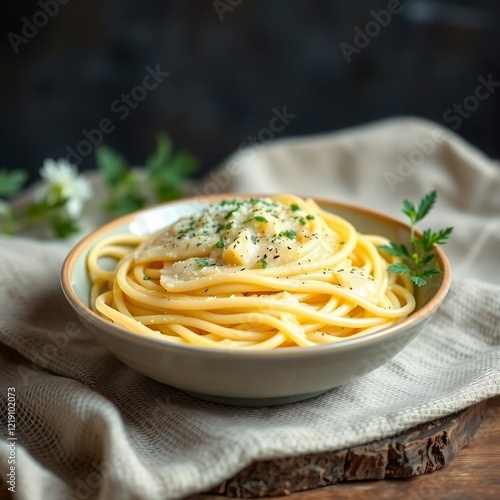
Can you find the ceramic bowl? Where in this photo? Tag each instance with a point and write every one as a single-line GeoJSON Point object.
{"type": "Point", "coordinates": [249, 378]}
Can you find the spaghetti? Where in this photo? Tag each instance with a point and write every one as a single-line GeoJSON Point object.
{"type": "Point", "coordinates": [250, 274]}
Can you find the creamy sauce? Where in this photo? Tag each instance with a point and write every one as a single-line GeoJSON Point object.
{"type": "Point", "coordinates": [247, 234]}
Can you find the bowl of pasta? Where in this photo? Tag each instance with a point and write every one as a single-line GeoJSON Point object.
{"type": "Point", "coordinates": [251, 300]}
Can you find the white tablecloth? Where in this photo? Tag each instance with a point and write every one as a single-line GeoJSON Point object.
{"type": "Point", "coordinates": [87, 426]}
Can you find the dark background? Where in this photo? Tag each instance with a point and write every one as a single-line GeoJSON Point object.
{"type": "Point", "coordinates": [229, 67]}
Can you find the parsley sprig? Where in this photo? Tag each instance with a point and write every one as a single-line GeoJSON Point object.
{"type": "Point", "coordinates": [417, 258]}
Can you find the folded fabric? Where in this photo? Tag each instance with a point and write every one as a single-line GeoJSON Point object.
{"type": "Point", "coordinates": [87, 426]}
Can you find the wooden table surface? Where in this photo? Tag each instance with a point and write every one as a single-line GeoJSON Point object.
{"type": "Point", "coordinates": [473, 474]}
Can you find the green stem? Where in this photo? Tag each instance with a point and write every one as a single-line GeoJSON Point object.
{"type": "Point", "coordinates": [414, 253]}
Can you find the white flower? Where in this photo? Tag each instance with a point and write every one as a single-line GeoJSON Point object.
{"type": "Point", "coordinates": [62, 182]}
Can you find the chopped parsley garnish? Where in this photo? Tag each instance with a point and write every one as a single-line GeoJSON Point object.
{"type": "Point", "coordinates": [263, 263]}
{"type": "Point", "coordinates": [187, 229]}
{"type": "Point", "coordinates": [201, 262]}
{"type": "Point", "coordinates": [310, 217]}
{"type": "Point", "coordinates": [229, 225]}
{"type": "Point", "coordinates": [294, 207]}
{"type": "Point", "coordinates": [260, 218]}
{"type": "Point", "coordinates": [254, 201]}
{"type": "Point", "coordinates": [231, 212]}
{"type": "Point", "coordinates": [146, 278]}
{"type": "Point", "coordinates": [289, 233]}
{"type": "Point", "coordinates": [220, 242]}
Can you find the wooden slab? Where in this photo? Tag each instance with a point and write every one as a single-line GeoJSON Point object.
{"type": "Point", "coordinates": [420, 450]}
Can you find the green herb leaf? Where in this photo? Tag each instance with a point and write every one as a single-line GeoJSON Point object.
{"type": "Point", "coordinates": [146, 278]}
{"type": "Point", "coordinates": [64, 227]}
{"type": "Point", "coordinates": [294, 207]}
{"type": "Point", "coordinates": [399, 268]}
{"type": "Point", "coordinates": [260, 218]}
{"type": "Point", "coordinates": [310, 217]}
{"type": "Point", "coordinates": [417, 261]}
{"type": "Point", "coordinates": [156, 163]}
{"type": "Point", "coordinates": [129, 202]}
{"type": "Point", "coordinates": [188, 229]}
{"type": "Point", "coordinates": [426, 204]}
{"type": "Point", "coordinates": [164, 193]}
{"type": "Point", "coordinates": [263, 263]}
{"type": "Point", "coordinates": [438, 238]}
{"type": "Point", "coordinates": [11, 182]}
{"type": "Point", "coordinates": [220, 242]}
{"type": "Point", "coordinates": [36, 211]}
{"type": "Point", "coordinates": [289, 233]}
{"type": "Point", "coordinates": [231, 212]}
{"type": "Point", "coordinates": [395, 249]}
{"type": "Point", "coordinates": [427, 259]}
{"type": "Point", "coordinates": [6, 212]}
{"type": "Point", "coordinates": [431, 272]}
{"type": "Point", "coordinates": [111, 164]}
{"type": "Point", "coordinates": [201, 262]}
{"type": "Point", "coordinates": [409, 210]}
{"type": "Point", "coordinates": [417, 280]}
{"type": "Point", "coordinates": [168, 172]}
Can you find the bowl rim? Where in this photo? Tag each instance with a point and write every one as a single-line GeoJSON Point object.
{"type": "Point", "coordinates": [423, 314]}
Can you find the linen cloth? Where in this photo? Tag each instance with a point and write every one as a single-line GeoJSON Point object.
{"type": "Point", "coordinates": [90, 427]}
